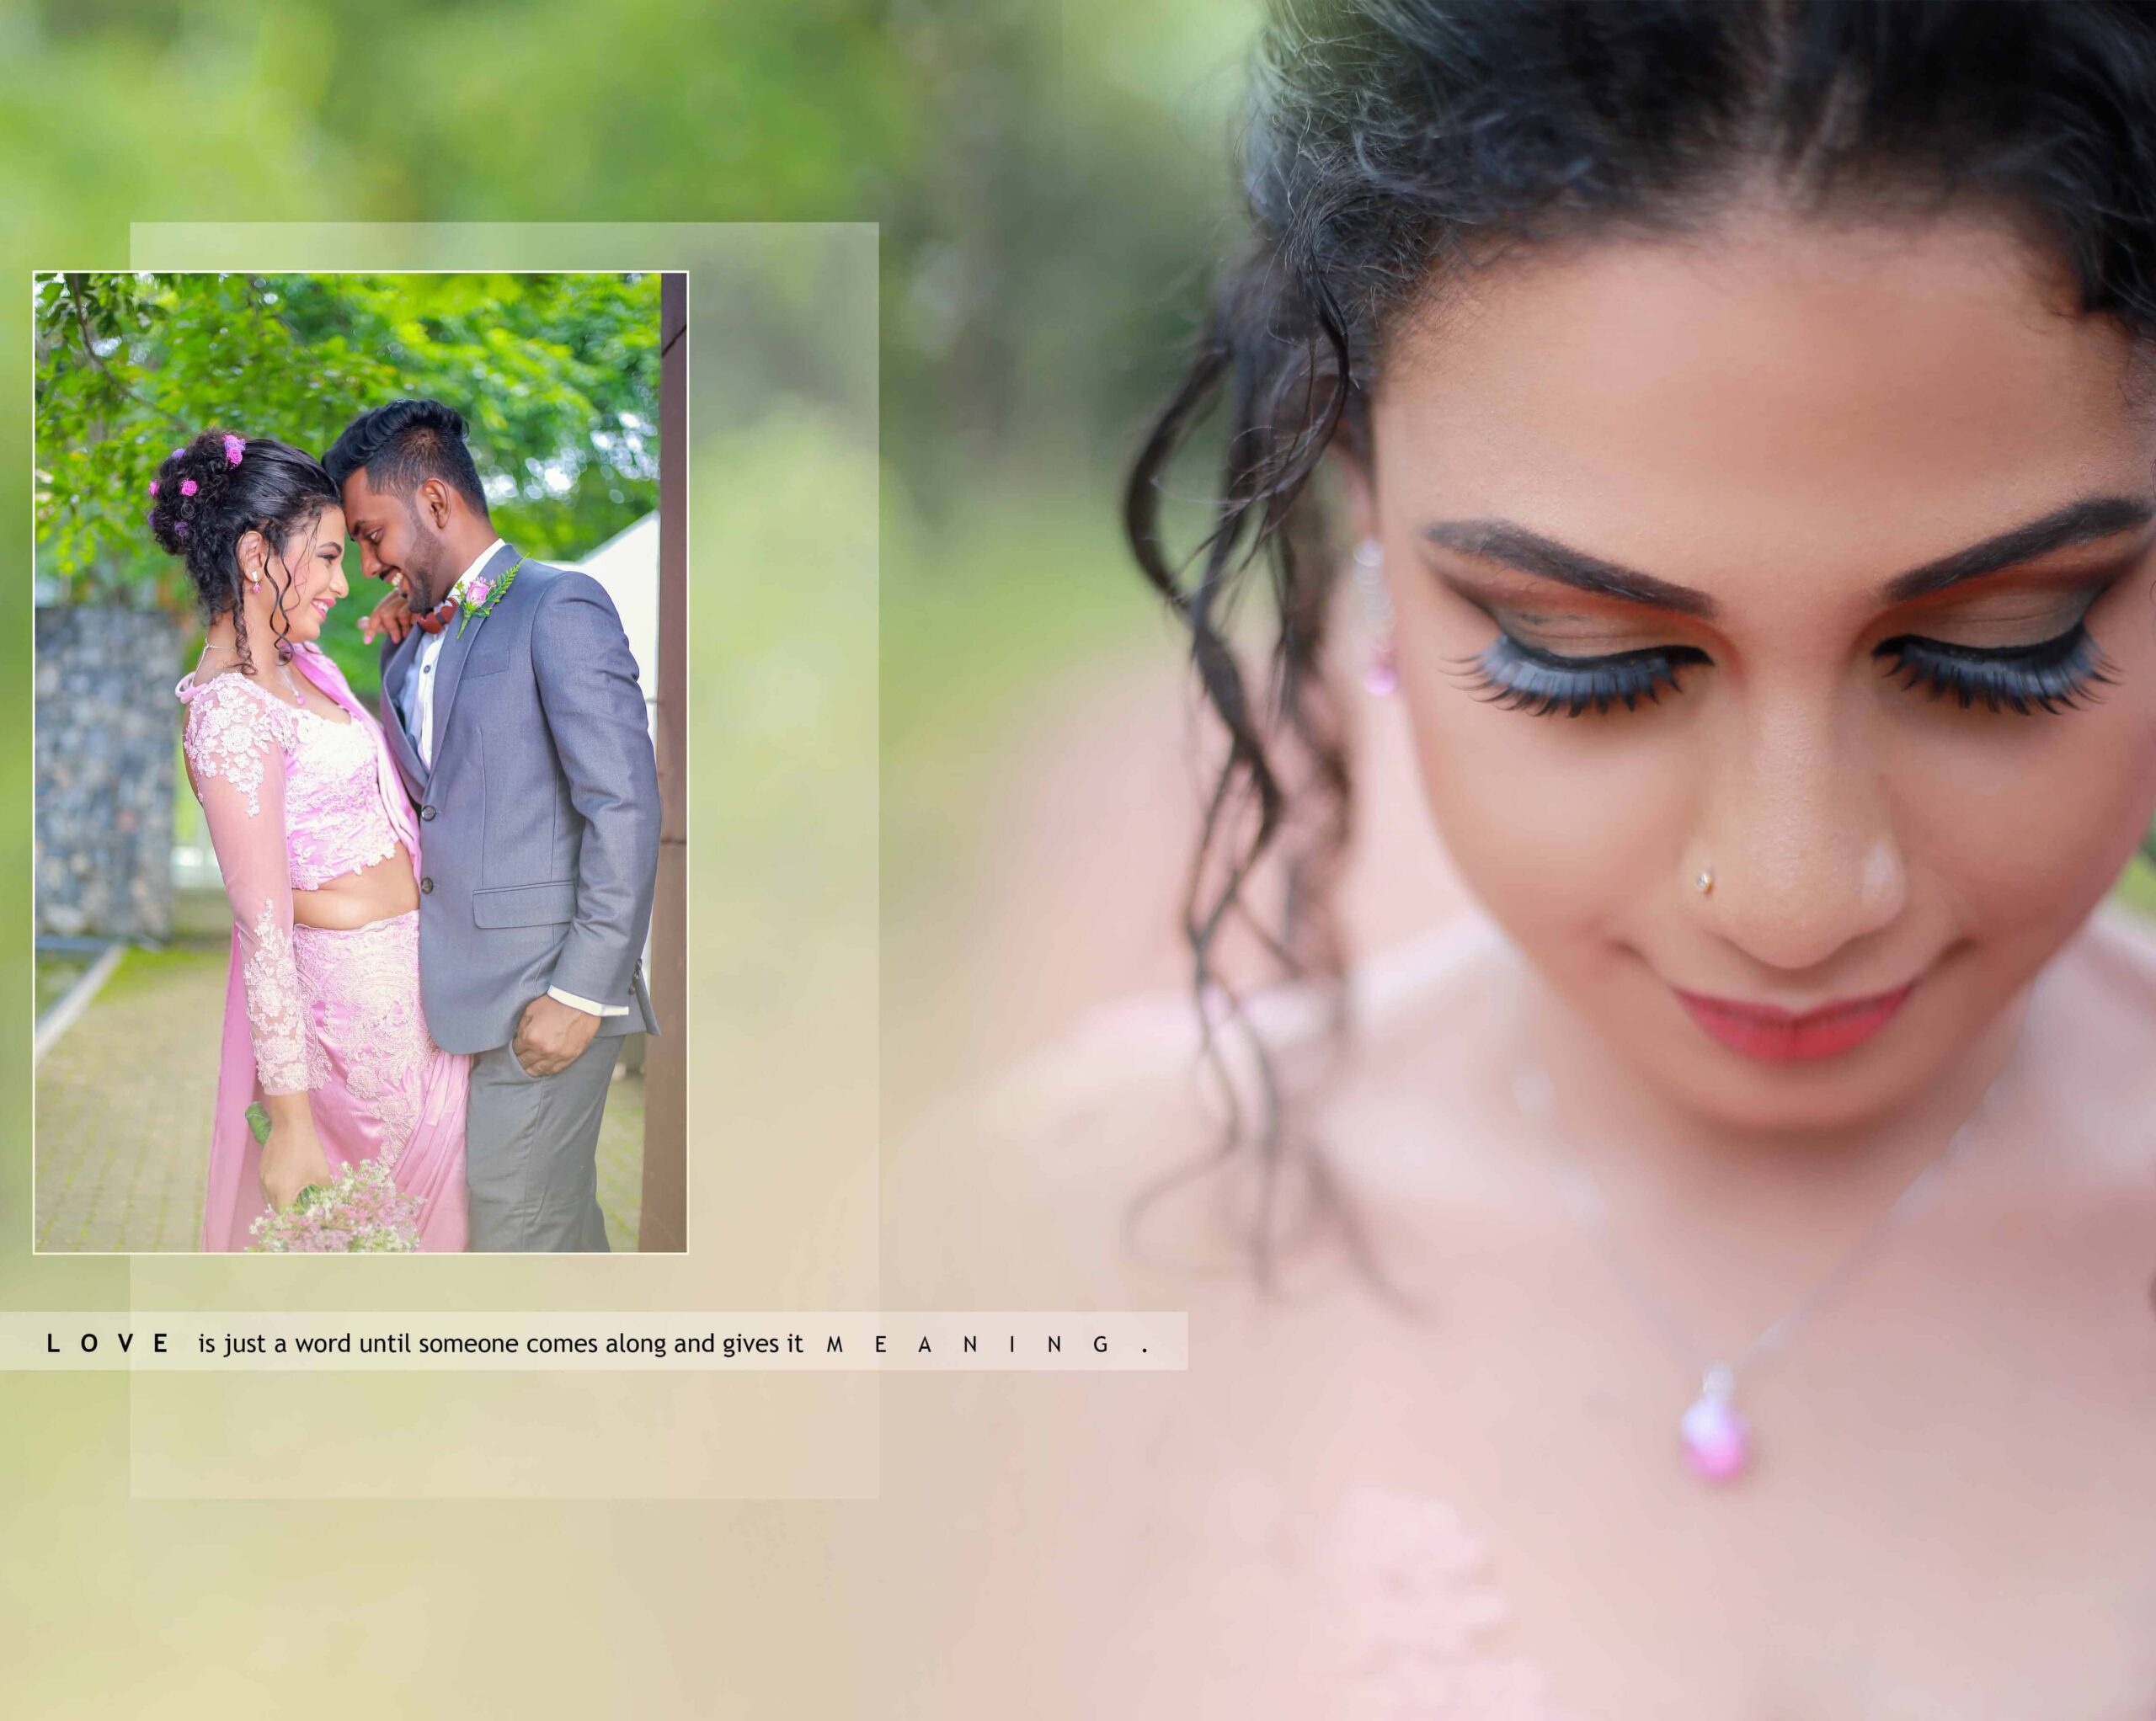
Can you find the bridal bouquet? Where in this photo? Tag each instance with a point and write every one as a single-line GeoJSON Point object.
{"type": "Point", "coordinates": [361, 1212]}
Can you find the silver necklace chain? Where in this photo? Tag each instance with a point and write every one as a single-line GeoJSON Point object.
{"type": "Point", "coordinates": [283, 670]}
{"type": "Point", "coordinates": [1533, 1092]}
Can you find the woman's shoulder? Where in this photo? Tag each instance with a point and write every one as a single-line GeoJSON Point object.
{"type": "Point", "coordinates": [2091, 1024]}
{"type": "Point", "coordinates": [1124, 1053]}
{"type": "Point", "coordinates": [234, 731]}
{"type": "Point", "coordinates": [2101, 988]}
{"type": "Point", "coordinates": [1004, 1190]}
{"type": "Point", "coordinates": [232, 699]}
{"type": "Point", "coordinates": [1058, 1153]}
{"type": "Point", "coordinates": [2118, 944]}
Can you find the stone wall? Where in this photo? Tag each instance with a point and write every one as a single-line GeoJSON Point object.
{"type": "Point", "coordinates": [106, 725]}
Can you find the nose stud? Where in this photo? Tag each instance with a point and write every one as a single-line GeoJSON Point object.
{"type": "Point", "coordinates": [1705, 883]}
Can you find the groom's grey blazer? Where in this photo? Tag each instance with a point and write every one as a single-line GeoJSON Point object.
{"type": "Point", "coordinates": [539, 816]}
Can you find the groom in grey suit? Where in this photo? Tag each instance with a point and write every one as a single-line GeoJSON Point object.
{"type": "Point", "coordinates": [515, 716]}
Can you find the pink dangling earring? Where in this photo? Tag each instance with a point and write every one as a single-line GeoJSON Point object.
{"type": "Point", "coordinates": [1381, 674]}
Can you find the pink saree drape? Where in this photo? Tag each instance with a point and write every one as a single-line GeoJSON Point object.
{"type": "Point", "coordinates": [378, 1087]}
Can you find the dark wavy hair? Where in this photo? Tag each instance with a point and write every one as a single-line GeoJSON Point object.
{"type": "Point", "coordinates": [403, 444]}
{"type": "Point", "coordinates": [1390, 147]}
{"type": "Point", "coordinates": [205, 503]}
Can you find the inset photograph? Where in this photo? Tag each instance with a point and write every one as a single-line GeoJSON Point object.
{"type": "Point", "coordinates": [350, 719]}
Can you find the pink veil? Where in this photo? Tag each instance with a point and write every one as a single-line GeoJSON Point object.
{"type": "Point", "coordinates": [234, 1197]}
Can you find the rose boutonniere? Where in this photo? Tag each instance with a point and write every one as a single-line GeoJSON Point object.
{"type": "Point", "coordinates": [481, 596]}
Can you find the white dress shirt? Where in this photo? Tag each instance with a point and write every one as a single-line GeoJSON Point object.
{"type": "Point", "coordinates": [419, 703]}
{"type": "Point", "coordinates": [416, 707]}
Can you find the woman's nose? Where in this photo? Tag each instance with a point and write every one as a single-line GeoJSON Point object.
{"type": "Point", "coordinates": [1799, 839]}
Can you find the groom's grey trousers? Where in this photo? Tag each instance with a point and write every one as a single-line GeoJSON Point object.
{"type": "Point", "coordinates": [539, 825]}
{"type": "Point", "coordinates": [529, 1151]}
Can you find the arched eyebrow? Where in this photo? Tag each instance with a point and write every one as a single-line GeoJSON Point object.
{"type": "Point", "coordinates": [1512, 544]}
{"type": "Point", "coordinates": [1516, 546]}
{"type": "Point", "coordinates": [2083, 522]}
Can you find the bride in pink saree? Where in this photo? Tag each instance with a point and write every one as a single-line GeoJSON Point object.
{"type": "Point", "coordinates": [319, 852]}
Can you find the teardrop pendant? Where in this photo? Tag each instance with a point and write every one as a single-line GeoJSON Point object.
{"type": "Point", "coordinates": [1381, 674]}
{"type": "Point", "coordinates": [1717, 1439]}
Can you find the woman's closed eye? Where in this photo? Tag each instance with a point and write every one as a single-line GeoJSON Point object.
{"type": "Point", "coordinates": [2053, 674]}
{"type": "Point", "coordinates": [1511, 672]}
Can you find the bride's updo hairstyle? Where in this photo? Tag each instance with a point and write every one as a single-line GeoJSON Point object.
{"type": "Point", "coordinates": [214, 490]}
{"type": "Point", "coordinates": [1392, 147]}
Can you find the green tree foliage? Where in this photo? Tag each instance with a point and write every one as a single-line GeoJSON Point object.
{"type": "Point", "coordinates": [557, 377]}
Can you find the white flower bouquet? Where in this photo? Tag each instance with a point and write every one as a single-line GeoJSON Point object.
{"type": "Point", "coordinates": [362, 1211]}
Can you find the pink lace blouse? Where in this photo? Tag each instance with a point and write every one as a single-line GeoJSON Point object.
{"type": "Point", "coordinates": [293, 800]}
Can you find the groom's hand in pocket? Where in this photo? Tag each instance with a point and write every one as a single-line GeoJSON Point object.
{"type": "Point", "coordinates": [552, 1036]}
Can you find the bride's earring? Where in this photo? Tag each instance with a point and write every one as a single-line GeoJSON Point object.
{"type": "Point", "coordinates": [1381, 674]}
{"type": "Point", "coordinates": [254, 582]}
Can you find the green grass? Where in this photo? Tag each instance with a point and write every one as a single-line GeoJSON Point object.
{"type": "Point", "coordinates": [202, 917]}
{"type": "Point", "coordinates": [142, 970]}
{"type": "Point", "coordinates": [57, 970]}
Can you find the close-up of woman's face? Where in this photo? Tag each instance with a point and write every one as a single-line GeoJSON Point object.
{"type": "Point", "coordinates": [1773, 616]}
{"type": "Point", "coordinates": [310, 567]}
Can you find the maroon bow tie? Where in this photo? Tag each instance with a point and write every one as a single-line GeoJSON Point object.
{"type": "Point", "coordinates": [434, 620]}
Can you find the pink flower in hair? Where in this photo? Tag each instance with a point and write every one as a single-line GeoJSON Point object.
{"type": "Point", "coordinates": [234, 446]}
{"type": "Point", "coordinates": [153, 487]}
{"type": "Point", "coordinates": [187, 487]}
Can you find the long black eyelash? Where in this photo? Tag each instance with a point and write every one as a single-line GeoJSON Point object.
{"type": "Point", "coordinates": [1518, 677]}
{"type": "Point", "coordinates": [2055, 674]}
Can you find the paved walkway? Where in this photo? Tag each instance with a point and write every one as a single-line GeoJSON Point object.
{"type": "Point", "coordinates": [123, 1113]}
{"type": "Point", "coordinates": [120, 1164]}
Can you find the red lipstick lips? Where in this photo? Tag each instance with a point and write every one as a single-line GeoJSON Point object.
{"type": "Point", "coordinates": [1777, 1036]}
